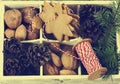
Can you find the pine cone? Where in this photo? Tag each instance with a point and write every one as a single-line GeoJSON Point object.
{"type": "Point", "coordinates": [12, 46]}
{"type": "Point", "coordinates": [89, 27]}
{"type": "Point", "coordinates": [87, 11]}
{"type": "Point", "coordinates": [23, 59]}
{"type": "Point", "coordinates": [39, 54]}
{"type": "Point", "coordinates": [12, 67]}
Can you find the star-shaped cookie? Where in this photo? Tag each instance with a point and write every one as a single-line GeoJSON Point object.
{"type": "Point", "coordinates": [57, 22]}
{"type": "Point", "coordinates": [60, 27]}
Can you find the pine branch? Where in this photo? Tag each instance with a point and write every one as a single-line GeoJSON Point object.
{"type": "Point", "coordinates": [106, 48]}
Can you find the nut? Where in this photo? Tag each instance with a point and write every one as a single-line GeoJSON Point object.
{"type": "Point", "coordinates": [68, 61]}
{"type": "Point", "coordinates": [28, 13]}
{"type": "Point", "coordinates": [50, 70]}
{"type": "Point", "coordinates": [67, 72]}
{"type": "Point", "coordinates": [53, 46]}
{"type": "Point", "coordinates": [56, 69]}
{"type": "Point", "coordinates": [32, 34]}
{"type": "Point", "coordinates": [36, 23]}
{"type": "Point", "coordinates": [9, 33]}
{"type": "Point", "coordinates": [56, 60]}
{"type": "Point", "coordinates": [13, 18]}
{"type": "Point", "coordinates": [21, 32]}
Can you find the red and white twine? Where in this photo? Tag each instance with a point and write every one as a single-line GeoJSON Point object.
{"type": "Point", "coordinates": [87, 56]}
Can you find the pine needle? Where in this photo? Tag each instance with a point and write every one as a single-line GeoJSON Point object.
{"type": "Point", "coordinates": [106, 48]}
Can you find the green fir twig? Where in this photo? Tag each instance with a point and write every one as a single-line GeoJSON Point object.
{"type": "Point", "coordinates": [106, 48]}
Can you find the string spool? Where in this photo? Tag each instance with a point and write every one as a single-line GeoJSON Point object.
{"type": "Point", "coordinates": [89, 59]}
